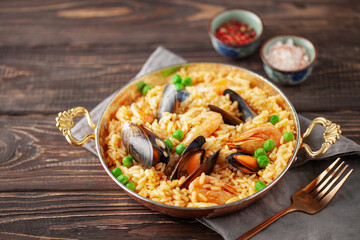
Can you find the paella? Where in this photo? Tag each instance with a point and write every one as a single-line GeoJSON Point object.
{"type": "Point", "coordinates": [207, 137]}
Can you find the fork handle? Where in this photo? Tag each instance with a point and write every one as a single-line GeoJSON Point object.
{"type": "Point", "coordinates": [263, 225]}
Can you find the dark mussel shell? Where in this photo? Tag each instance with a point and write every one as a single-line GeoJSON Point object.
{"type": "Point", "coordinates": [182, 95]}
{"type": "Point", "coordinates": [161, 150]}
{"type": "Point", "coordinates": [242, 105]}
{"type": "Point", "coordinates": [193, 153]}
{"type": "Point", "coordinates": [196, 143]}
{"type": "Point", "coordinates": [228, 118]}
{"type": "Point", "coordinates": [206, 166]}
{"type": "Point", "coordinates": [168, 100]}
{"type": "Point", "coordinates": [211, 162]}
{"type": "Point", "coordinates": [236, 161]}
{"type": "Point", "coordinates": [143, 145]}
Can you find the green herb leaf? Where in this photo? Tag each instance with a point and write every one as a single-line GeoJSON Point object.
{"type": "Point", "coordinates": [168, 71]}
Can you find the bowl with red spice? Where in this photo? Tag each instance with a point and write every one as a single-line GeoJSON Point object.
{"type": "Point", "coordinates": [236, 33]}
{"type": "Point", "coordinates": [288, 59]}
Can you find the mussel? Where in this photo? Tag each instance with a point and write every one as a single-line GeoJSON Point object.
{"type": "Point", "coordinates": [182, 95]}
{"type": "Point", "coordinates": [243, 107]}
{"type": "Point", "coordinates": [228, 118]}
{"type": "Point", "coordinates": [143, 145]}
{"type": "Point", "coordinates": [191, 163]}
{"type": "Point", "coordinates": [169, 170]}
{"type": "Point", "coordinates": [243, 162]}
{"type": "Point", "coordinates": [170, 98]}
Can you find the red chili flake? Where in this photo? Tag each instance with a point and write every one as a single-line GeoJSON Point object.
{"type": "Point", "coordinates": [235, 33]}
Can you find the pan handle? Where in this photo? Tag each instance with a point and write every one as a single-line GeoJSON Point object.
{"type": "Point", "coordinates": [331, 135]}
{"type": "Point", "coordinates": [65, 122]}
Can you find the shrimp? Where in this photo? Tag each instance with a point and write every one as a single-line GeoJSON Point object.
{"type": "Point", "coordinates": [218, 87]}
{"type": "Point", "coordinates": [206, 123]}
{"type": "Point", "coordinates": [255, 138]}
{"type": "Point", "coordinates": [203, 187]}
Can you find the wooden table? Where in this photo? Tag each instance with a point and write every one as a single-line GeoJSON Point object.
{"type": "Point", "coordinates": [55, 55]}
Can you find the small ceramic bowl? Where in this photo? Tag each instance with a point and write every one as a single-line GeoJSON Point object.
{"type": "Point", "coordinates": [289, 77]}
{"type": "Point", "coordinates": [241, 15]}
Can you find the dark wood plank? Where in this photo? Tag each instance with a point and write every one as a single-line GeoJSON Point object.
{"type": "Point", "coordinates": [51, 80]}
{"type": "Point", "coordinates": [88, 215]}
{"type": "Point", "coordinates": [108, 22]}
{"type": "Point", "coordinates": [91, 56]}
{"type": "Point", "coordinates": [34, 155]}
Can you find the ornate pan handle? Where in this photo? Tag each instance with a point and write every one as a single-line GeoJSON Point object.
{"type": "Point", "coordinates": [65, 122]}
{"type": "Point", "coordinates": [331, 135]}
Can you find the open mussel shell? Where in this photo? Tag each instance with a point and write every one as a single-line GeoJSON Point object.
{"type": "Point", "coordinates": [194, 146]}
{"type": "Point", "coordinates": [211, 162]}
{"type": "Point", "coordinates": [243, 107]}
{"type": "Point", "coordinates": [161, 150]}
{"type": "Point", "coordinates": [191, 163]}
{"type": "Point", "coordinates": [243, 162]}
{"type": "Point", "coordinates": [143, 145]}
{"type": "Point", "coordinates": [228, 118]}
{"type": "Point", "coordinates": [196, 143]}
{"type": "Point", "coordinates": [206, 166]}
{"type": "Point", "coordinates": [168, 100]}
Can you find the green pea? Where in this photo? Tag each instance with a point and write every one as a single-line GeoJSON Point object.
{"type": "Point", "coordinates": [187, 81]}
{"type": "Point", "coordinates": [169, 143]}
{"type": "Point", "coordinates": [116, 172]}
{"type": "Point", "coordinates": [259, 152]}
{"type": "Point", "coordinates": [288, 136]}
{"type": "Point", "coordinates": [259, 185]}
{"type": "Point", "coordinates": [263, 161]}
{"type": "Point", "coordinates": [269, 145]}
{"type": "Point", "coordinates": [178, 134]}
{"type": "Point", "coordinates": [145, 89]}
{"type": "Point", "coordinates": [131, 186]}
{"type": "Point", "coordinates": [274, 119]}
{"type": "Point", "coordinates": [179, 86]}
{"type": "Point", "coordinates": [127, 161]}
{"type": "Point", "coordinates": [176, 78]}
{"type": "Point", "coordinates": [123, 179]}
{"type": "Point", "coordinates": [180, 148]}
{"type": "Point", "coordinates": [140, 86]}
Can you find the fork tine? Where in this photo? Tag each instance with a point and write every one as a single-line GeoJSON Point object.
{"type": "Point", "coordinates": [332, 193]}
{"type": "Point", "coordinates": [314, 182]}
{"type": "Point", "coordinates": [319, 188]}
{"type": "Point", "coordinates": [326, 189]}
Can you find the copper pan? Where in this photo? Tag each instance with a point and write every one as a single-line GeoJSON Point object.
{"type": "Point", "coordinates": [129, 92]}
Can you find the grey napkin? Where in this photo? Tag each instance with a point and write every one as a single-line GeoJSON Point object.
{"type": "Point", "coordinates": [340, 219]}
{"type": "Point", "coordinates": [159, 59]}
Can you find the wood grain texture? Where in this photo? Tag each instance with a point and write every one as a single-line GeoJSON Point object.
{"type": "Point", "coordinates": [55, 55]}
{"type": "Point", "coordinates": [51, 80]}
{"type": "Point", "coordinates": [87, 214]}
{"type": "Point", "coordinates": [88, 50]}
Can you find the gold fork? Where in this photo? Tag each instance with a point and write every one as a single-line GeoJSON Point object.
{"type": "Point", "coordinates": [311, 199]}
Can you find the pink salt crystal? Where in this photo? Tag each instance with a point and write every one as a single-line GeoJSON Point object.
{"type": "Point", "coordinates": [287, 57]}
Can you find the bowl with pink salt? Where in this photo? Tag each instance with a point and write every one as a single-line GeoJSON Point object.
{"type": "Point", "coordinates": [288, 59]}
